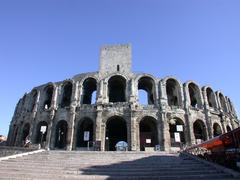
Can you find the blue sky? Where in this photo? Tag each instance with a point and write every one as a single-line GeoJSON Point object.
{"type": "Point", "coordinates": [42, 41]}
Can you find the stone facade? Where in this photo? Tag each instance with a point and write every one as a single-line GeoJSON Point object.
{"type": "Point", "coordinates": [107, 105]}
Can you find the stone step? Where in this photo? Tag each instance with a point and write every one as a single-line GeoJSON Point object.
{"type": "Point", "coordinates": [106, 165]}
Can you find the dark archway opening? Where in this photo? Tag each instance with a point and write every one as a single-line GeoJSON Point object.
{"type": "Point", "coordinates": [199, 130]}
{"type": "Point", "coordinates": [67, 95]}
{"type": "Point", "coordinates": [211, 98]}
{"type": "Point", "coordinates": [41, 136]}
{"type": "Point", "coordinates": [146, 84]}
{"type": "Point", "coordinates": [216, 130]}
{"type": "Point", "coordinates": [61, 135]}
{"type": "Point", "coordinates": [194, 95]}
{"type": "Point", "coordinates": [228, 128]}
{"type": "Point", "coordinates": [173, 92]}
{"type": "Point", "coordinates": [85, 125]}
{"type": "Point", "coordinates": [89, 91]}
{"type": "Point", "coordinates": [25, 132]}
{"type": "Point", "coordinates": [48, 97]}
{"type": "Point", "coordinates": [176, 130]}
{"type": "Point", "coordinates": [223, 103]}
{"type": "Point", "coordinates": [117, 89]}
{"type": "Point", "coordinates": [148, 133]}
{"type": "Point", "coordinates": [116, 130]}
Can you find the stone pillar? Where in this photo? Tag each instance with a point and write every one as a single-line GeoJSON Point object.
{"type": "Point", "coordinates": [189, 130]}
{"type": "Point", "coordinates": [207, 115]}
{"type": "Point", "coordinates": [71, 127]}
{"type": "Point", "coordinates": [100, 93]}
{"type": "Point", "coordinates": [132, 92]}
{"type": "Point", "coordinates": [49, 141]}
{"type": "Point", "coordinates": [129, 138]}
{"type": "Point", "coordinates": [18, 141]}
{"type": "Point", "coordinates": [133, 132]}
{"type": "Point", "coordinates": [166, 143]}
{"type": "Point", "coordinates": [105, 94]}
{"type": "Point", "coordinates": [99, 135]}
{"type": "Point", "coordinates": [163, 96]}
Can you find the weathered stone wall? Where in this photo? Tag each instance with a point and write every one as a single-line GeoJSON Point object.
{"type": "Point", "coordinates": [170, 103]}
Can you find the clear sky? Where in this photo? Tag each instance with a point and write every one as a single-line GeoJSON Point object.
{"type": "Point", "coordinates": [47, 40]}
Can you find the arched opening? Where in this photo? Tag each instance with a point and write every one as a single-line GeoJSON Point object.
{"type": "Point", "coordinates": [228, 128]}
{"type": "Point", "coordinates": [211, 98]}
{"type": "Point", "coordinates": [216, 130]}
{"type": "Point", "coordinates": [173, 92]}
{"type": "Point", "coordinates": [176, 130]}
{"type": "Point", "coordinates": [199, 130]}
{"type": "Point", "coordinates": [147, 85]}
{"type": "Point", "coordinates": [117, 89]}
{"type": "Point", "coordinates": [41, 135]}
{"type": "Point", "coordinates": [148, 133]}
{"type": "Point", "coordinates": [67, 95]}
{"type": "Point", "coordinates": [48, 97]}
{"type": "Point", "coordinates": [116, 130]}
{"type": "Point", "coordinates": [25, 132]}
{"type": "Point", "coordinates": [195, 96]}
{"type": "Point", "coordinates": [61, 135]}
{"type": "Point", "coordinates": [33, 100]}
{"type": "Point", "coordinates": [85, 127]}
{"type": "Point", "coordinates": [89, 91]}
{"type": "Point", "coordinates": [222, 102]}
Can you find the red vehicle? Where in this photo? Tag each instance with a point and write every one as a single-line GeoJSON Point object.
{"type": "Point", "coordinates": [223, 149]}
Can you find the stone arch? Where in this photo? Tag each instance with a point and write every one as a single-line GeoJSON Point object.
{"type": "Point", "coordinates": [85, 124]}
{"type": "Point", "coordinates": [48, 94]}
{"type": "Point", "coordinates": [33, 100]}
{"type": "Point", "coordinates": [194, 93]}
{"type": "Point", "coordinates": [216, 129]}
{"type": "Point", "coordinates": [41, 133]}
{"type": "Point", "coordinates": [147, 84]}
{"type": "Point", "coordinates": [173, 92]}
{"type": "Point", "coordinates": [176, 125]}
{"type": "Point", "coordinates": [61, 134]}
{"type": "Point", "coordinates": [222, 101]}
{"type": "Point", "coordinates": [211, 97]}
{"type": "Point", "coordinates": [199, 129]}
{"type": "Point", "coordinates": [148, 133]}
{"type": "Point", "coordinates": [89, 90]}
{"type": "Point", "coordinates": [117, 89]}
{"type": "Point", "coordinates": [67, 94]}
{"type": "Point", "coordinates": [116, 130]}
{"type": "Point", "coordinates": [25, 132]}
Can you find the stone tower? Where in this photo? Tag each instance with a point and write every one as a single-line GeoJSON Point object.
{"type": "Point", "coordinates": [115, 58]}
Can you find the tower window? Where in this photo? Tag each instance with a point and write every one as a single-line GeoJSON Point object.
{"type": "Point", "coordinates": [118, 68]}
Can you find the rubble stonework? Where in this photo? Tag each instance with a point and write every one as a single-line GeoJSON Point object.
{"type": "Point", "coordinates": [58, 115]}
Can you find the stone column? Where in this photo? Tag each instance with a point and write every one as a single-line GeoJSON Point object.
{"type": "Point", "coordinates": [189, 130]}
{"type": "Point", "coordinates": [166, 143]}
{"type": "Point", "coordinates": [132, 92]}
{"type": "Point", "coordinates": [71, 128]}
{"type": "Point", "coordinates": [49, 141]}
{"type": "Point", "coordinates": [100, 93]}
{"type": "Point", "coordinates": [105, 94]}
{"type": "Point", "coordinates": [207, 115]}
{"type": "Point", "coordinates": [133, 132]}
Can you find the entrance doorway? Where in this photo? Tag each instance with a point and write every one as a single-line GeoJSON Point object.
{"type": "Point", "coordinates": [148, 133]}
{"type": "Point", "coordinates": [116, 130]}
{"type": "Point", "coordinates": [61, 135]}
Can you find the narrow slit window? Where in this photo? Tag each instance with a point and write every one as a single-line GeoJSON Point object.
{"type": "Point", "coordinates": [118, 68]}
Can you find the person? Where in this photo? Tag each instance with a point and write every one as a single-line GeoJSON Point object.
{"type": "Point", "coordinates": [27, 141]}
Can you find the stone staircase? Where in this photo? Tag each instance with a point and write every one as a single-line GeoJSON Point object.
{"type": "Point", "coordinates": [59, 165]}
